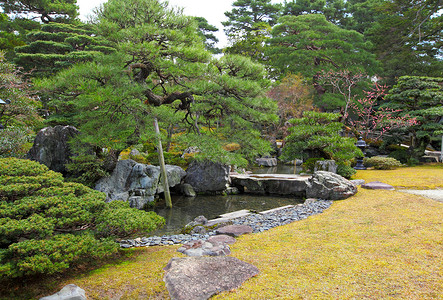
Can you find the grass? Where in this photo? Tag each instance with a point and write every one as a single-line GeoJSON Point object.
{"type": "Point", "coordinates": [422, 177]}
{"type": "Point", "coordinates": [375, 245]}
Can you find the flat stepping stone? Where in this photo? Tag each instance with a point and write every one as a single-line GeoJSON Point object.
{"type": "Point", "coordinates": [69, 292]}
{"type": "Point", "coordinates": [234, 230]}
{"type": "Point", "coordinates": [377, 185]}
{"type": "Point", "coordinates": [194, 278]}
{"type": "Point", "coordinates": [236, 214]}
{"type": "Point", "coordinates": [222, 238]}
{"type": "Point", "coordinates": [275, 209]}
{"type": "Point", "coordinates": [202, 248]}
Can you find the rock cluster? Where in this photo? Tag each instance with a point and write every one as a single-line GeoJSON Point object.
{"type": "Point", "coordinates": [137, 183]}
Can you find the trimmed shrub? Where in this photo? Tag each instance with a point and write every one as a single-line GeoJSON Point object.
{"type": "Point", "coordinates": [48, 225]}
{"type": "Point", "coordinates": [382, 163]}
{"type": "Point", "coordinates": [345, 171]}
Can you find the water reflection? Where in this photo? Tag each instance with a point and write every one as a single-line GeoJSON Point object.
{"type": "Point", "coordinates": [185, 209]}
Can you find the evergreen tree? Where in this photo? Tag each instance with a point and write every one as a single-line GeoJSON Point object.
{"type": "Point", "coordinates": [161, 69]}
{"type": "Point", "coordinates": [248, 26]}
{"type": "Point", "coordinates": [46, 10]}
{"type": "Point", "coordinates": [207, 31]}
{"type": "Point", "coordinates": [408, 38]}
{"type": "Point", "coordinates": [334, 10]}
{"type": "Point", "coordinates": [422, 98]}
{"type": "Point", "coordinates": [310, 45]}
{"type": "Point", "coordinates": [57, 46]}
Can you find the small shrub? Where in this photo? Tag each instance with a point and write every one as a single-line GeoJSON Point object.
{"type": "Point", "coordinates": [382, 163]}
{"type": "Point", "coordinates": [345, 171]}
{"type": "Point", "coordinates": [401, 154]}
{"type": "Point", "coordinates": [86, 169]}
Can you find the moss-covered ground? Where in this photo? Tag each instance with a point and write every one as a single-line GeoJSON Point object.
{"type": "Point", "coordinates": [375, 245]}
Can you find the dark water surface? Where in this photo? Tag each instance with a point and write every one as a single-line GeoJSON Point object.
{"type": "Point", "coordinates": [185, 209]}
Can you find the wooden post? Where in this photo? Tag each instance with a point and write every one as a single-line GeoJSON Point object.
{"type": "Point", "coordinates": [162, 166]}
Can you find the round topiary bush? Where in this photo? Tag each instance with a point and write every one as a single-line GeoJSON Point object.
{"type": "Point", "coordinates": [48, 225]}
{"type": "Point", "coordinates": [382, 163]}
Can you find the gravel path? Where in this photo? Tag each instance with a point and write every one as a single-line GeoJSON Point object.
{"type": "Point", "coordinates": [431, 194]}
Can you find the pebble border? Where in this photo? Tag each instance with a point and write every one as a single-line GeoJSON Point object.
{"type": "Point", "coordinates": [258, 222]}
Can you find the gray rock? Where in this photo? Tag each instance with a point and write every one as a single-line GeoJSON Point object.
{"type": "Point", "coordinates": [202, 248]}
{"type": "Point", "coordinates": [134, 152]}
{"type": "Point", "coordinates": [198, 230]}
{"type": "Point", "coordinates": [69, 292]}
{"type": "Point", "coordinates": [222, 238]}
{"type": "Point", "coordinates": [207, 176]}
{"type": "Point", "coordinates": [234, 230]}
{"type": "Point", "coordinates": [377, 185]}
{"type": "Point", "coordinates": [357, 181]}
{"type": "Point", "coordinates": [267, 162]}
{"type": "Point", "coordinates": [175, 176]}
{"type": "Point", "coordinates": [137, 183]}
{"type": "Point", "coordinates": [114, 186]}
{"type": "Point", "coordinates": [278, 184]}
{"type": "Point", "coordinates": [197, 278]}
{"type": "Point", "coordinates": [325, 165]}
{"type": "Point", "coordinates": [201, 220]}
{"type": "Point", "coordinates": [327, 185]}
{"type": "Point", "coordinates": [51, 147]}
{"type": "Point", "coordinates": [188, 190]}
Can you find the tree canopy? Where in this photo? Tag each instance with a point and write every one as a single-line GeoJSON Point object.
{"type": "Point", "coordinates": [46, 10]}
{"type": "Point", "coordinates": [161, 69]}
{"type": "Point", "coordinates": [422, 98]}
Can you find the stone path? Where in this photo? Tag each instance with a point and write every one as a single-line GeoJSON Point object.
{"type": "Point", "coordinates": [436, 194]}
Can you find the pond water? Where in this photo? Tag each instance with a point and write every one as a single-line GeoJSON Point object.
{"type": "Point", "coordinates": [185, 209]}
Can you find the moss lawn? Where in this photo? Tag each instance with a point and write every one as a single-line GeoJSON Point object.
{"type": "Point", "coordinates": [375, 245]}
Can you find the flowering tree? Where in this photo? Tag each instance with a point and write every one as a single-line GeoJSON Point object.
{"type": "Point", "coordinates": [342, 82]}
{"type": "Point", "coordinates": [372, 123]}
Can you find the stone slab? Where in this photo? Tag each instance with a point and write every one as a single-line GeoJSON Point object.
{"type": "Point", "coordinates": [222, 238]}
{"type": "Point", "coordinates": [275, 209]}
{"type": "Point", "coordinates": [236, 214]}
{"type": "Point", "coordinates": [234, 230]}
{"type": "Point", "coordinates": [377, 185]}
{"type": "Point", "coordinates": [199, 278]}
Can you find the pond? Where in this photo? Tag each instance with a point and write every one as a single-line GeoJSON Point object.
{"type": "Point", "coordinates": [185, 209]}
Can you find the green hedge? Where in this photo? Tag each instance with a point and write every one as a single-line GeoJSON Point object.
{"type": "Point", "coordinates": [48, 225]}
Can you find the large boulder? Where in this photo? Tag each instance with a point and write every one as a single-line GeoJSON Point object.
{"type": "Point", "coordinates": [51, 147]}
{"type": "Point", "coordinates": [137, 183]}
{"type": "Point", "coordinates": [198, 278]}
{"type": "Point", "coordinates": [325, 165]}
{"type": "Point", "coordinates": [69, 292]}
{"type": "Point", "coordinates": [330, 186]}
{"type": "Point", "coordinates": [267, 161]}
{"type": "Point", "coordinates": [207, 176]}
